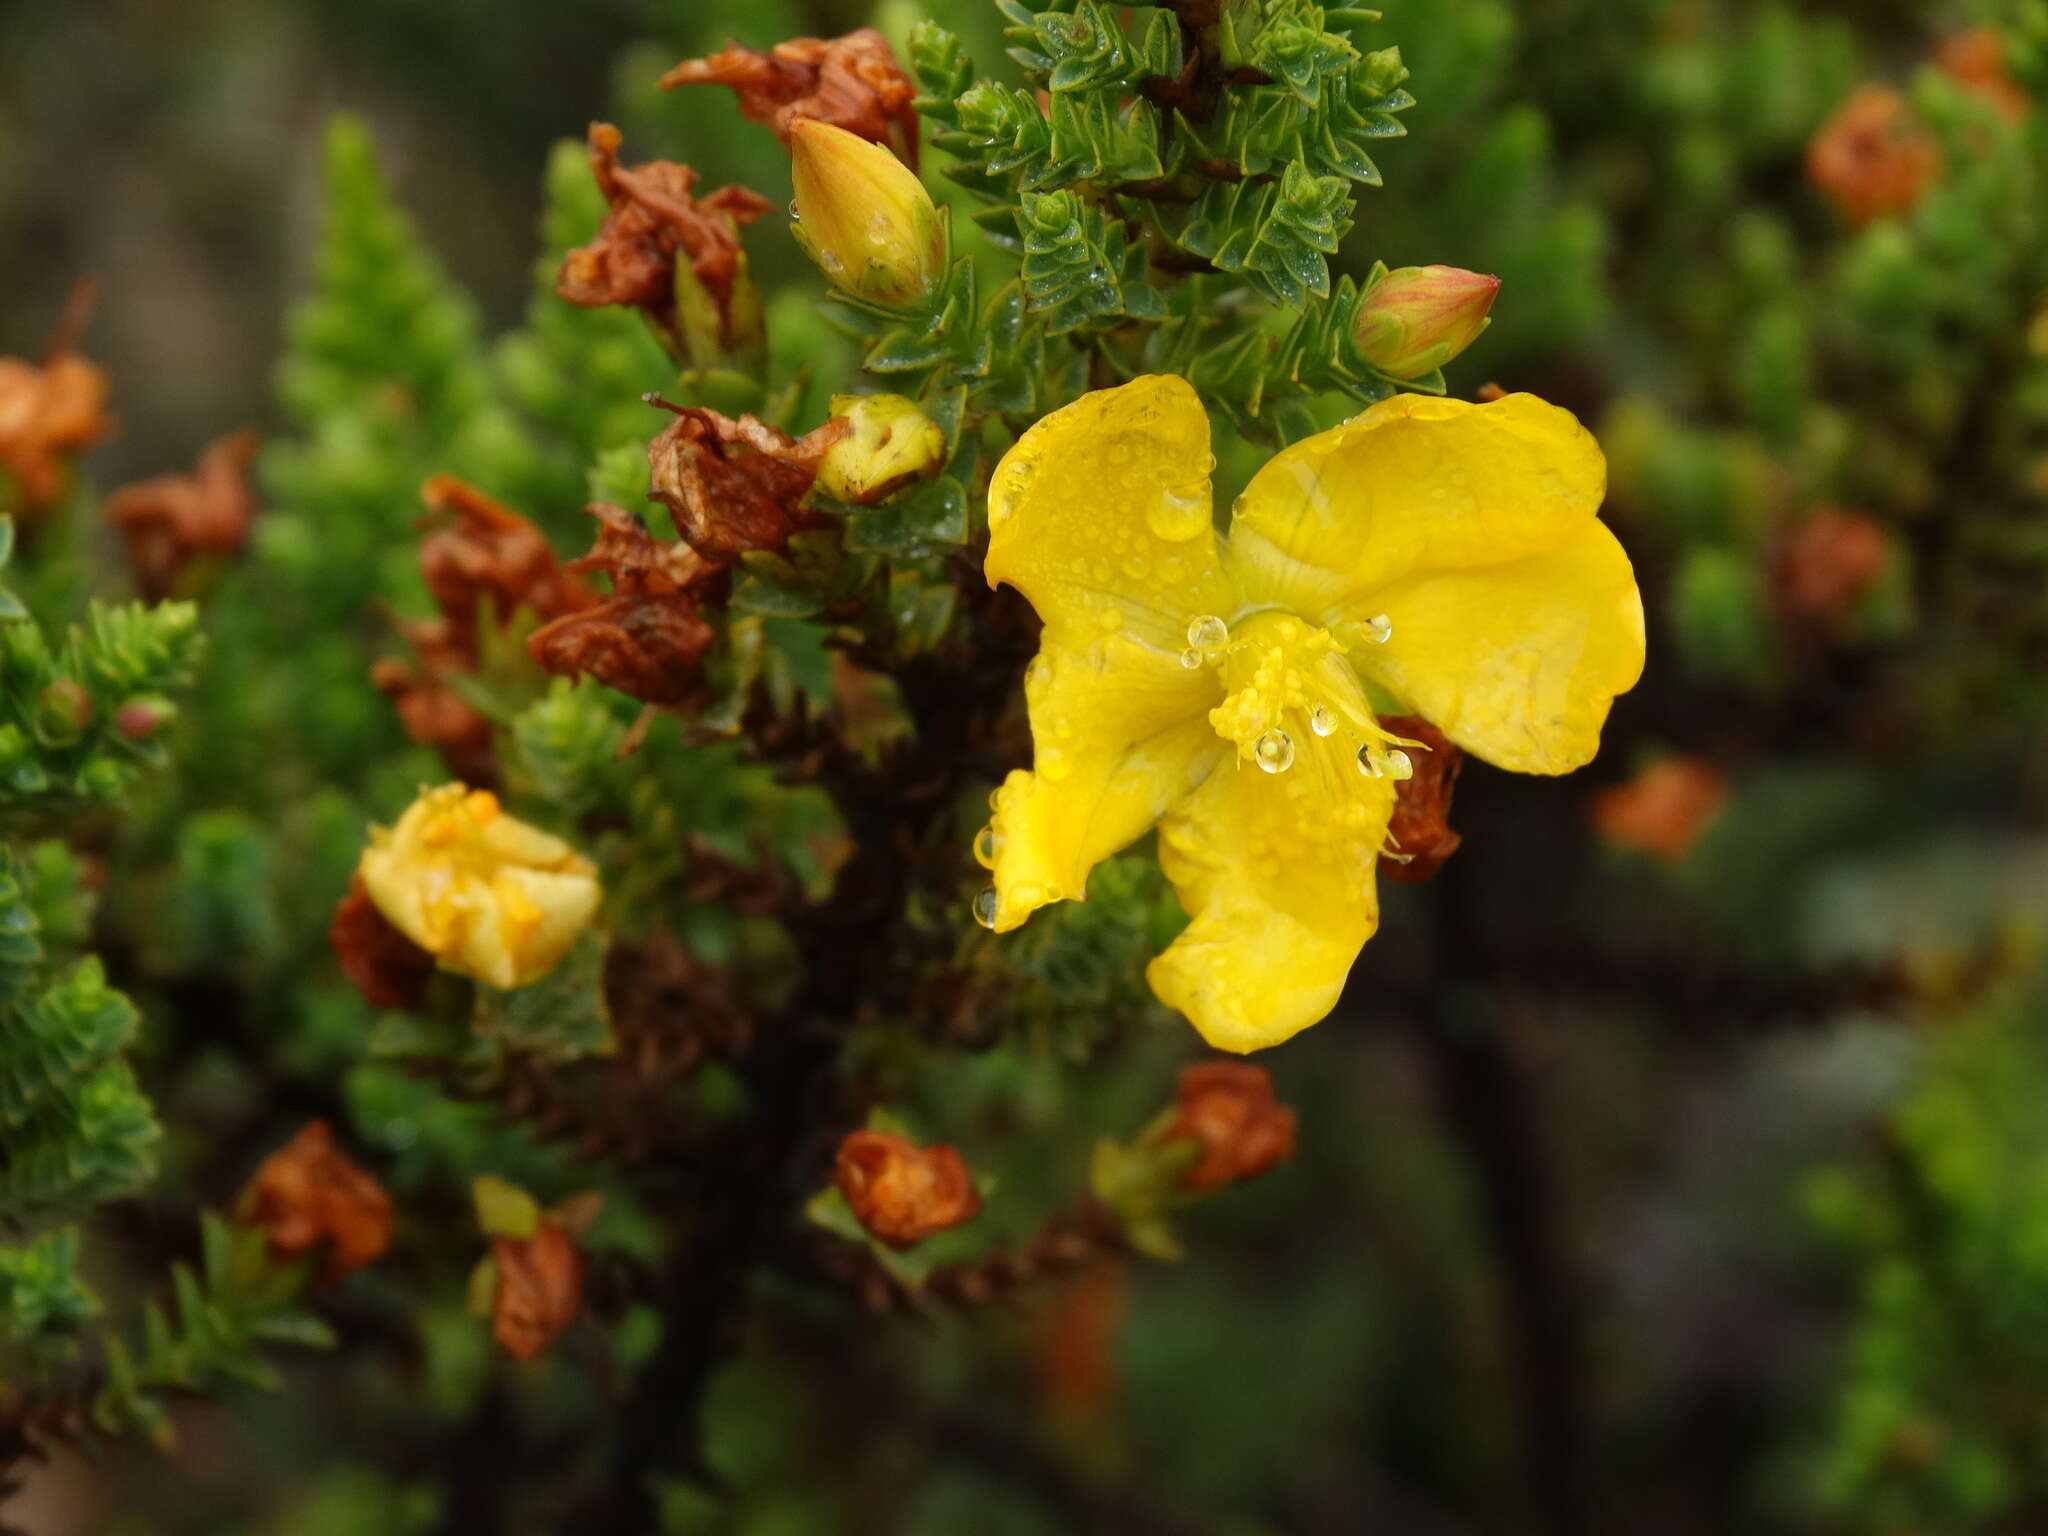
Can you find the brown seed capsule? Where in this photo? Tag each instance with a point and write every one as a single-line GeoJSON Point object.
{"type": "Point", "coordinates": [852, 82]}
{"type": "Point", "coordinates": [1419, 838]}
{"type": "Point", "coordinates": [737, 486]}
{"type": "Point", "coordinates": [1663, 810]}
{"type": "Point", "coordinates": [308, 1193]}
{"type": "Point", "coordinates": [903, 1193]}
{"type": "Point", "coordinates": [1230, 1109]}
{"type": "Point", "coordinates": [540, 1289]}
{"type": "Point", "coordinates": [174, 520]}
{"type": "Point", "coordinates": [1873, 158]}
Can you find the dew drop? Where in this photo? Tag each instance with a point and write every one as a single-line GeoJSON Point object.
{"type": "Point", "coordinates": [1379, 629]}
{"type": "Point", "coordinates": [985, 907]}
{"type": "Point", "coordinates": [1274, 751]}
{"type": "Point", "coordinates": [1191, 658]}
{"type": "Point", "coordinates": [1208, 633]}
{"type": "Point", "coordinates": [987, 844]}
{"type": "Point", "coordinates": [1178, 514]}
{"type": "Point", "coordinates": [1400, 765]}
{"type": "Point", "coordinates": [1053, 765]}
{"type": "Point", "coordinates": [1028, 894]}
{"type": "Point", "coordinates": [795, 212]}
{"type": "Point", "coordinates": [1321, 721]}
{"type": "Point", "coordinates": [1369, 763]}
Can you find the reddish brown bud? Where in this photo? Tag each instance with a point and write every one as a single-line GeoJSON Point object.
{"type": "Point", "coordinates": [1873, 158]}
{"type": "Point", "coordinates": [1663, 810]}
{"type": "Point", "coordinates": [387, 967]}
{"type": "Point", "coordinates": [852, 82]}
{"type": "Point", "coordinates": [539, 1291]}
{"type": "Point", "coordinates": [140, 718]}
{"type": "Point", "coordinates": [308, 1193]}
{"type": "Point", "coordinates": [1420, 833]}
{"type": "Point", "coordinates": [1228, 1107]}
{"type": "Point", "coordinates": [174, 520]}
{"type": "Point", "coordinates": [1416, 319]}
{"type": "Point", "coordinates": [63, 711]}
{"type": "Point", "coordinates": [1829, 562]}
{"type": "Point", "coordinates": [647, 639]}
{"type": "Point", "coordinates": [903, 1193]}
{"type": "Point", "coordinates": [735, 486]}
{"type": "Point", "coordinates": [656, 220]}
{"type": "Point", "coordinates": [1975, 60]}
{"type": "Point", "coordinates": [1076, 1353]}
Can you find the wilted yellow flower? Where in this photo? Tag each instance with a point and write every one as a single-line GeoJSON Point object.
{"type": "Point", "coordinates": [891, 442]}
{"type": "Point", "coordinates": [863, 216]}
{"type": "Point", "coordinates": [484, 893]}
{"type": "Point", "coordinates": [1444, 555]}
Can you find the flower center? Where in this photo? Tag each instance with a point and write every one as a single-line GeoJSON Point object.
{"type": "Point", "coordinates": [1285, 681]}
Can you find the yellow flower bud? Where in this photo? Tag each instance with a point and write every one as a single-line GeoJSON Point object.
{"type": "Point", "coordinates": [484, 893]}
{"type": "Point", "coordinates": [1416, 319]}
{"type": "Point", "coordinates": [892, 441]}
{"type": "Point", "coordinates": [864, 217]}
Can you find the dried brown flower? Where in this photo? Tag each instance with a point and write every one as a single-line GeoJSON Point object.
{"type": "Point", "coordinates": [852, 82]}
{"type": "Point", "coordinates": [647, 638]}
{"type": "Point", "coordinates": [735, 486]}
{"type": "Point", "coordinates": [1663, 810]}
{"type": "Point", "coordinates": [1873, 158]}
{"type": "Point", "coordinates": [655, 219]}
{"type": "Point", "coordinates": [51, 412]}
{"type": "Point", "coordinates": [901, 1192]}
{"type": "Point", "coordinates": [1229, 1108]}
{"type": "Point", "coordinates": [173, 520]}
{"type": "Point", "coordinates": [1420, 833]}
{"type": "Point", "coordinates": [1828, 562]}
{"type": "Point", "coordinates": [308, 1193]}
{"type": "Point", "coordinates": [540, 1289]}
{"type": "Point", "coordinates": [387, 967]}
{"type": "Point", "coordinates": [1975, 60]}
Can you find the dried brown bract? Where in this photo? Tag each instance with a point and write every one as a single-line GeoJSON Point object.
{"type": "Point", "coordinates": [1420, 836]}
{"type": "Point", "coordinates": [1228, 1107]}
{"type": "Point", "coordinates": [852, 82]}
{"type": "Point", "coordinates": [1663, 810]}
{"type": "Point", "coordinates": [51, 412]}
{"type": "Point", "coordinates": [735, 486]}
{"type": "Point", "coordinates": [386, 967]}
{"type": "Point", "coordinates": [1975, 60]}
{"type": "Point", "coordinates": [1828, 563]}
{"type": "Point", "coordinates": [1873, 158]}
{"type": "Point", "coordinates": [656, 219]}
{"type": "Point", "coordinates": [901, 1192]}
{"type": "Point", "coordinates": [173, 520]}
{"type": "Point", "coordinates": [540, 1289]}
{"type": "Point", "coordinates": [647, 638]}
{"type": "Point", "coordinates": [308, 1193]}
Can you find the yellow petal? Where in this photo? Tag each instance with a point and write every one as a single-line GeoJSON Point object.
{"type": "Point", "coordinates": [1122, 733]}
{"type": "Point", "coordinates": [1100, 515]}
{"type": "Point", "coordinates": [1277, 873]}
{"type": "Point", "coordinates": [1414, 484]}
{"type": "Point", "coordinates": [1519, 662]}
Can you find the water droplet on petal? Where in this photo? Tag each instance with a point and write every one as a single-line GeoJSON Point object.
{"type": "Point", "coordinates": [1321, 721]}
{"type": "Point", "coordinates": [1208, 633]}
{"type": "Point", "coordinates": [987, 844]}
{"type": "Point", "coordinates": [985, 907]}
{"type": "Point", "coordinates": [1369, 763]}
{"type": "Point", "coordinates": [1274, 751]}
{"type": "Point", "coordinates": [1379, 629]}
{"type": "Point", "coordinates": [1191, 658]}
{"type": "Point", "coordinates": [1179, 514]}
{"type": "Point", "coordinates": [1053, 765]}
{"type": "Point", "coordinates": [1400, 765]}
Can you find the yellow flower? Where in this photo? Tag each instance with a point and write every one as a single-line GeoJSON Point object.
{"type": "Point", "coordinates": [484, 893]}
{"type": "Point", "coordinates": [863, 216]}
{"type": "Point", "coordinates": [1445, 555]}
{"type": "Point", "coordinates": [889, 442]}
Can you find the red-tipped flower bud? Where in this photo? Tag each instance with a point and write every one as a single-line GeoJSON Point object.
{"type": "Point", "coordinates": [864, 217]}
{"type": "Point", "coordinates": [64, 710]}
{"type": "Point", "coordinates": [1416, 319]}
{"type": "Point", "coordinates": [142, 717]}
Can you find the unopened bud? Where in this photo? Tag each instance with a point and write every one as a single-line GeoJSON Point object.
{"type": "Point", "coordinates": [891, 442]}
{"type": "Point", "coordinates": [864, 217]}
{"type": "Point", "coordinates": [1416, 319]}
{"type": "Point", "coordinates": [141, 718]}
{"type": "Point", "coordinates": [64, 710]}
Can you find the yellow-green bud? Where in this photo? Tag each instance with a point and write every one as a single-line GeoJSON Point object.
{"type": "Point", "coordinates": [891, 442]}
{"type": "Point", "coordinates": [864, 217]}
{"type": "Point", "coordinates": [1416, 319]}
